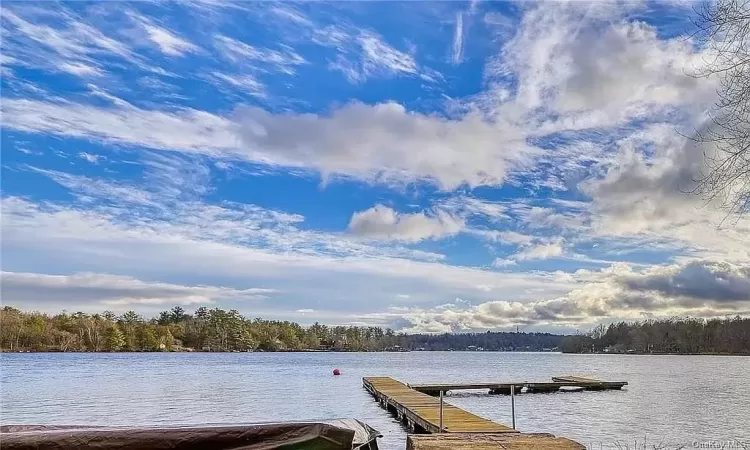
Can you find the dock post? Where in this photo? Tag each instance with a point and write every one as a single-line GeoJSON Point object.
{"type": "Point", "coordinates": [441, 411]}
{"type": "Point", "coordinates": [512, 405]}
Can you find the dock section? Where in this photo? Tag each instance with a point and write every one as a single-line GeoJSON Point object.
{"type": "Point", "coordinates": [588, 384]}
{"type": "Point", "coordinates": [506, 441]}
{"type": "Point", "coordinates": [421, 412]}
{"type": "Point", "coordinates": [461, 430]}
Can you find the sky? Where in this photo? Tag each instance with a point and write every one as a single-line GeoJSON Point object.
{"type": "Point", "coordinates": [426, 166]}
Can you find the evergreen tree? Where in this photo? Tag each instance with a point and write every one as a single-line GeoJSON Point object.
{"type": "Point", "coordinates": [115, 340]}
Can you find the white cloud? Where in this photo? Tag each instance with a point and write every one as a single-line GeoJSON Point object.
{"type": "Point", "coordinates": [506, 237]}
{"type": "Point", "coordinates": [587, 72]}
{"type": "Point", "coordinates": [95, 291]}
{"type": "Point", "coordinates": [80, 69]}
{"type": "Point", "coordinates": [74, 40]}
{"type": "Point", "coordinates": [72, 46]}
{"type": "Point", "coordinates": [594, 66]}
{"type": "Point", "coordinates": [245, 54]}
{"type": "Point", "coordinates": [379, 56]}
{"type": "Point", "coordinates": [248, 83]}
{"type": "Point", "coordinates": [378, 143]}
{"type": "Point", "coordinates": [169, 43]}
{"type": "Point", "coordinates": [615, 293]}
{"type": "Point", "coordinates": [90, 157]}
{"type": "Point", "coordinates": [645, 196]}
{"type": "Point", "coordinates": [250, 245]}
{"type": "Point", "coordinates": [502, 262]}
{"type": "Point", "coordinates": [184, 130]}
{"type": "Point", "coordinates": [382, 222]}
{"type": "Point", "coordinates": [371, 57]}
{"type": "Point", "coordinates": [458, 40]}
{"type": "Point", "coordinates": [513, 237]}
{"type": "Point", "coordinates": [288, 12]}
{"type": "Point", "coordinates": [551, 249]}
{"type": "Point", "coordinates": [695, 281]}
{"type": "Point", "coordinates": [374, 143]}
{"type": "Point", "coordinates": [470, 206]}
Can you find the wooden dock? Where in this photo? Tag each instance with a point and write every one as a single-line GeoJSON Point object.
{"type": "Point", "coordinates": [421, 412]}
{"type": "Point", "coordinates": [461, 429]}
{"type": "Point", "coordinates": [588, 384]}
{"type": "Point", "coordinates": [505, 441]}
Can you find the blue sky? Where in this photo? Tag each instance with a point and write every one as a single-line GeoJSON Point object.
{"type": "Point", "coordinates": [432, 166]}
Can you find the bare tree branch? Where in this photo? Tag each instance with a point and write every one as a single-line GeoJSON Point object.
{"type": "Point", "coordinates": [723, 28]}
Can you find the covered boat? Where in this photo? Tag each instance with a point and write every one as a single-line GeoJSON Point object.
{"type": "Point", "coordinates": [340, 434]}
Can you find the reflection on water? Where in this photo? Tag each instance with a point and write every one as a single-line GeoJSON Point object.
{"type": "Point", "coordinates": [671, 400]}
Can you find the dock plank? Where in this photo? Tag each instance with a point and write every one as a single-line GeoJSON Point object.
{"type": "Point", "coordinates": [423, 410]}
{"type": "Point", "coordinates": [507, 441]}
{"type": "Point", "coordinates": [504, 387]}
{"type": "Point", "coordinates": [569, 378]}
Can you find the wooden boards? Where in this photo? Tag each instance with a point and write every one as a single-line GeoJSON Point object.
{"type": "Point", "coordinates": [462, 430]}
{"type": "Point", "coordinates": [507, 441]}
{"type": "Point", "coordinates": [421, 412]}
{"type": "Point", "coordinates": [531, 387]}
{"type": "Point", "coordinates": [590, 384]}
{"type": "Point", "coordinates": [572, 379]}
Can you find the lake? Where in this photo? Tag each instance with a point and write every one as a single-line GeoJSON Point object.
{"type": "Point", "coordinates": [671, 400]}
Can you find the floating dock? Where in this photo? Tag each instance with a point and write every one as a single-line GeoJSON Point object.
{"type": "Point", "coordinates": [587, 384]}
{"type": "Point", "coordinates": [507, 441]}
{"type": "Point", "coordinates": [461, 430]}
{"type": "Point", "coordinates": [421, 412]}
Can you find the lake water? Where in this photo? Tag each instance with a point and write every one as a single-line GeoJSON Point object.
{"type": "Point", "coordinates": [671, 400]}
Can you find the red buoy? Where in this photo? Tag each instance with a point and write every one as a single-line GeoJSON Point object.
{"type": "Point", "coordinates": [336, 372]}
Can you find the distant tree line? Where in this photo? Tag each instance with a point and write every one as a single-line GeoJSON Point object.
{"type": "Point", "coordinates": [488, 341]}
{"type": "Point", "coordinates": [175, 330]}
{"type": "Point", "coordinates": [718, 336]}
{"type": "Point", "coordinates": [220, 330]}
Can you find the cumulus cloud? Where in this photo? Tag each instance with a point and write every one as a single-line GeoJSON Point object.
{"type": "Point", "coordinates": [550, 249]}
{"type": "Point", "coordinates": [94, 291]}
{"type": "Point", "coordinates": [386, 142]}
{"type": "Point", "coordinates": [594, 61]}
{"type": "Point", "coordinates": [712, 281]}
{"type": "Point", "coordinates": [697, 288]}
{"type": "Point", "coordinates": [382, 222]}
{"type": "Point", "coordinates": [647, 195]}
{"type": "Point", "coordinates": [576, 73]}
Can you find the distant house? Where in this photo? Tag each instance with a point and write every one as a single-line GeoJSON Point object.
{"type": "Point", "coordinates": [617, 348]}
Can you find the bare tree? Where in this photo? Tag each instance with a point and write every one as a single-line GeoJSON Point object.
{"type": "Point", "coordinates": [724, 31]}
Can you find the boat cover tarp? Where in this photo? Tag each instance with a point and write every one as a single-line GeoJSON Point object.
{"type": "Point", "coordinates": [343, 434]}
{"type": "Point", "coordinates": [365, 436]}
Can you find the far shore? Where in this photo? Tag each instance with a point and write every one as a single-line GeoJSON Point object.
{"type": "Point", "coordinates": [388, 351]}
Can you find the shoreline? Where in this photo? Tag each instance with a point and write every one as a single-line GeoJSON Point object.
{"type": "Point", "coordinates": [5, 351]}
